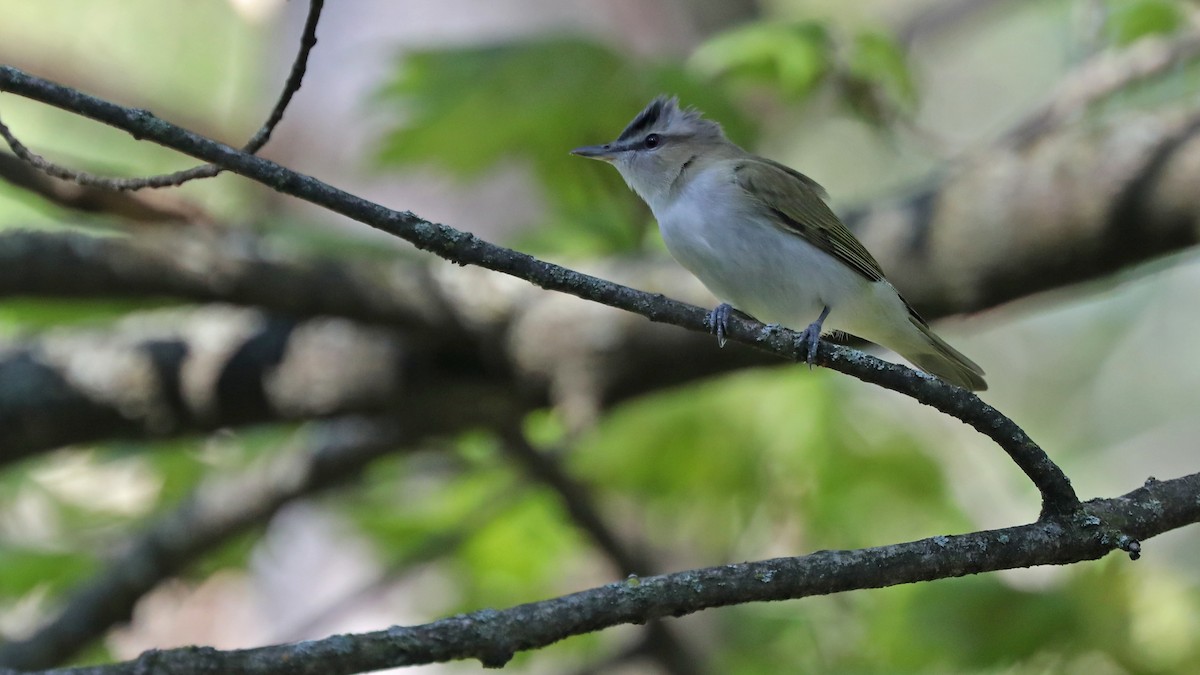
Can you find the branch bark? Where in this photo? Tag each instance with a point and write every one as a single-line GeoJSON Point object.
{"type": "Point", "coordinates": [493, 636]}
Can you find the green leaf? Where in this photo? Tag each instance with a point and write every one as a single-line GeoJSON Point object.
{"type": "Point", "coordinates": [877, 84]}
{"type": "Point", "coordinates": [524, 105]}
{"type": "Point", "coordinates": [26, 314]}
{"type": "Point", "coordinates": [521, 555]}
{"type": "Point", "coordinates": [1130, 20]}
{"type": "Point", "coordinates": [792, 57]}
{"type": "Point", "coordinates": [467, 109]}
{"type": "Point", "coordinates": [25, 569]}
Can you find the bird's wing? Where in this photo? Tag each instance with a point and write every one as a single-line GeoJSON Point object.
{"type": "Point", "coordinates": [798, 204]}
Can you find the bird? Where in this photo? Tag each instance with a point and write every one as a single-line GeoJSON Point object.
{"type": "Point", "coordinates": [763, 239]}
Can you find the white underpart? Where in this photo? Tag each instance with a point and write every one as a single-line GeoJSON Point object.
{"type": "Point", "coordinates": [775, 276]}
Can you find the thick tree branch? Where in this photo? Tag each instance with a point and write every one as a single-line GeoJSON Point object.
{"type": "Point", "coordinates": [493, 636]}
{"type": "Point", "coordinates": [212, 267]}
{"type": "Point", "coordinates": [465, 248]}
{"type": "Point", "coordinates": [184, 372]}
{"type": "Point", "coordinates": [1072, 206]}
{"type": "Point", "coordinates": [216, 512]}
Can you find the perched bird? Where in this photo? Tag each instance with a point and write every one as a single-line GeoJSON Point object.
{"type": "Point", "coordinates": [760, 236]}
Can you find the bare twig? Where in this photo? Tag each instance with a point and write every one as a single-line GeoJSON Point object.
{"type": "Point", "coordinates": [493, 636]}
{"type": "Point", "coordinates": [295, 78]}
{"type": "Point", "coordinates": [155, 208]}
{"type": "Point", "coordinates": [464, 248]}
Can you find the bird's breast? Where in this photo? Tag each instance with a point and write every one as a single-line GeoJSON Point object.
{"type": "Point", "coordinates": [731, 244]}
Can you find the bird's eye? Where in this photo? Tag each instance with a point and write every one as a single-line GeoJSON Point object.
{"type": "Point", "coordinates": [652, 141]}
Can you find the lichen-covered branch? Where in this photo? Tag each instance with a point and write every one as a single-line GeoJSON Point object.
{"type": "Point", "coordinates": [493, 636]}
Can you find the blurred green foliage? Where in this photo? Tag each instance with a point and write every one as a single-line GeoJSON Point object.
{"type": "Point", "coordinates": [798, 464]}
{"type": "Point", "coordinates": [26, 569]}
{"type": "Point", "coordinates": [868, 70]}
{"type": "Point", "coordinates": [29, 315]}
{"type": "Point", "coordinates": [529, 103]}
{"type": "Point", "coordinates": [141, 53]}
{"type": "Point", "coordinates": [877, 83]}
{"type": "Point", "coordinates": [791, 58]}
{"type": "Point", "coordinates": [526, 104]}
{"type": "Point", "coordinates": [1130, 20]}
{"type": "Point", "coordinates": [1083, 624]}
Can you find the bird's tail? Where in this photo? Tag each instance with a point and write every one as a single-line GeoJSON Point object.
{"type": "Point", "coordinates": [938, 358]}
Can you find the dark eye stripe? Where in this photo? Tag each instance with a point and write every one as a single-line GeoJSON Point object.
{"type": "Point", "coordinates": [644, 120]}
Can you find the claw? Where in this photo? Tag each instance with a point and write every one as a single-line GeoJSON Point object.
{"type": "Point", "coordinates": [810, 338]}
{"type": "Point", "coordinates": [717, 321]}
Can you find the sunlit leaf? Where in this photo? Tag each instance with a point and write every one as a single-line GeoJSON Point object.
{"type": "Point", "coordinates": [1130, 20]}
{"type": "Point", "coordinates": [24, 569]}
{"type": "Point", "coordinates": [524, 106]}
{"type": "Point", "coordinates": [791, 57]}
{"type": "Point", "coordinates": [877, 83]}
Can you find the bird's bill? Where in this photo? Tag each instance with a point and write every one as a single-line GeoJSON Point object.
{"type": "Point", "coordinates": [604, 153]}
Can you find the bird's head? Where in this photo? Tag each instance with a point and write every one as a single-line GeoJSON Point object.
{"type": "Point", "coordinates": [657, 145]}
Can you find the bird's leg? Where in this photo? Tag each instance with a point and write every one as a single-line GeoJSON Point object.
{"type": "Point", "coordinates": [717, 320]}
{"type": "Point", "coordinates": [811, 337]}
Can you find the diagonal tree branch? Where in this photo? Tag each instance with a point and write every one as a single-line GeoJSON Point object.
{"type": "Point", "coordinates": [493, 636]}
{"type": "Point", "coordinates": [464, 248]}
{"type": "Point", "coordinates": [579, 505]}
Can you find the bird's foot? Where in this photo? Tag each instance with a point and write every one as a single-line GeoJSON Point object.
{"type": "Point", "coordinates": [810, 338]}
{"type": "Point", "coordinates": [717, 321]}
{"type": "Point", "coordinates": [807, 343]}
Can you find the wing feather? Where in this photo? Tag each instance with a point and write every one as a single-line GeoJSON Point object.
{"type": "Point", "coordinates": [798, 203]}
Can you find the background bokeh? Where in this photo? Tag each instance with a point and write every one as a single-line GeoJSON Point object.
{"type": "Point", "coordinates": [463, 111]}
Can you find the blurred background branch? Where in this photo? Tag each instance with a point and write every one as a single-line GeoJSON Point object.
{"type": "Point", "coordinates": [219, 510]}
